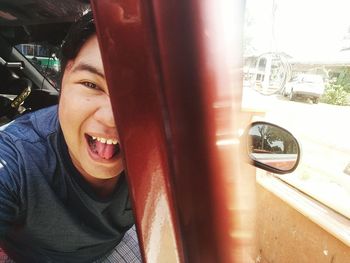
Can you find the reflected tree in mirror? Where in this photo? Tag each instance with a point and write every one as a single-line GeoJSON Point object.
{"type": "Point", "coordinates": [273, 147]}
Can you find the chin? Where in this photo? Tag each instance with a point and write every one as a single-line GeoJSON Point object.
{"type": "Point", "coordinates": [106, 174]}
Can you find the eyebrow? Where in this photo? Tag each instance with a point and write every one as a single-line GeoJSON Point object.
{"type": "Point", "coordinates": [89, 68]}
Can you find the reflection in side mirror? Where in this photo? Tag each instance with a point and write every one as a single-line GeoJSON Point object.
{"type": "Point", "coordinates": [272, 148]}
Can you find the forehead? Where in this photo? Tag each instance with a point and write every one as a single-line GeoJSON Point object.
{"type": "Point", "coordinates": [89, 54]}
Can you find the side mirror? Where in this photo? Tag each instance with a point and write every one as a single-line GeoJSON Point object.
{"type": "Point", "coordinates": [272, 148]}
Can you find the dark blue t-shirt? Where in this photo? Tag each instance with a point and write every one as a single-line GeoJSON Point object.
{"type": "Point", "coordinates": [48, 213]}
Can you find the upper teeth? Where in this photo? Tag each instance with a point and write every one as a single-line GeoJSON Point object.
{"type": "Point", "coordinates": [104, 140]}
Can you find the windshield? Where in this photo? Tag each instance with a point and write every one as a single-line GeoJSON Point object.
{"type": "Point", "coordinates": [312, 79]}
{"type": "Point", "coordinates": [44, 58]}
{"type": "Point", "coordinates": [311, 40]}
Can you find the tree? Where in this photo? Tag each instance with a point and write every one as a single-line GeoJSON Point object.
{"type": "Point", "coordinates": [272, 138]}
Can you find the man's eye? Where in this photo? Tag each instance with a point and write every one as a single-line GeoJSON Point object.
{"type": "Point", "coordinates": [89, 85]}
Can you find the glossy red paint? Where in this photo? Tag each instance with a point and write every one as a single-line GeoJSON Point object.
{"type": "Point", "coordinates": [175, 84]}
{"type": "Point", "coordinates": [126, 38]}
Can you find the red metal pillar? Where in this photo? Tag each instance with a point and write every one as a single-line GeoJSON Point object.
{"type": "Point", "coordinates": [175, 85]}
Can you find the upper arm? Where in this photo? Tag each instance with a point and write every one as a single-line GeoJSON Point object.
{"type": "Point", "coordinates": [9, 186]}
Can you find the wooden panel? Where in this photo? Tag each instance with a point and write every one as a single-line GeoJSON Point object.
{"type": "Point", "coordinates": [285, 235]}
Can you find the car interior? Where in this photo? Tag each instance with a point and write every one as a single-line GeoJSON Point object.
{"type": "Point", "coordinates": [25, 86]}
{"type": "Point", "coordinates": [287, 225]}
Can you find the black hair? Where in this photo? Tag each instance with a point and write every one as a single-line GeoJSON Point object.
{"type": "Point", "coordinates": [80, 31]}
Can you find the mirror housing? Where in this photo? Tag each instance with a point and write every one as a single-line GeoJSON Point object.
{"type": "Point", "coordinates": [271, 148]}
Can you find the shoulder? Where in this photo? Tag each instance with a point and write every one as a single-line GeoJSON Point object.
{"type": "Point", "coordinates": [26, 139]}
{"type": "Point", "coordinates": [31, 127]}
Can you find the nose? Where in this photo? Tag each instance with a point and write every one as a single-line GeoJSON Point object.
{"type": "Point", "coordinates": [104, 114]}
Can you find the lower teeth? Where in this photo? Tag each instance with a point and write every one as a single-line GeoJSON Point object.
{"type": "Point", "coordinates": [92, 144]}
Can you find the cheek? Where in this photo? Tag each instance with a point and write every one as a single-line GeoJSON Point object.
{"type": "Point", "coordinates": [71, 118]}
{"type": "Point", "coordinates": [70, 111]}
{"type": "Point", "coordinates": [71, 102]}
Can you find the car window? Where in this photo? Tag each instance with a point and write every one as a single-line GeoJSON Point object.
{"type": "Point", "coordinates": [312, 79]}
{"type": "Point", "coordinates": [44, 57]}
{"type": "Point", "coordinates": [312, 39]}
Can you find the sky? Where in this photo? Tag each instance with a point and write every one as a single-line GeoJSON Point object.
{"type": "Point", "coordinates": [305, 29]}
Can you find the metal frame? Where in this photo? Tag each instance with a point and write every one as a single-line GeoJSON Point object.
{"type": "Point", "coordinates": [168, 78]}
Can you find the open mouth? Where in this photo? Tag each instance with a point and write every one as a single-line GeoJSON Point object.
{"type": "Point", "coordinates": [104, 148]}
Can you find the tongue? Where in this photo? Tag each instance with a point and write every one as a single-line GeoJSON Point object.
{"type": "Point", "coordinates": [105, 151]}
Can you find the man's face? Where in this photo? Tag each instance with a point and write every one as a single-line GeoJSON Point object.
{"type": "Point", "coordinates": [86, 116]}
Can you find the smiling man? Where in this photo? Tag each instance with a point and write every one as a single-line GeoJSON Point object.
{"type": "Point", "coordinates": [63, 191]}
{"type": "Point", "coordinates": [87, 121]}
